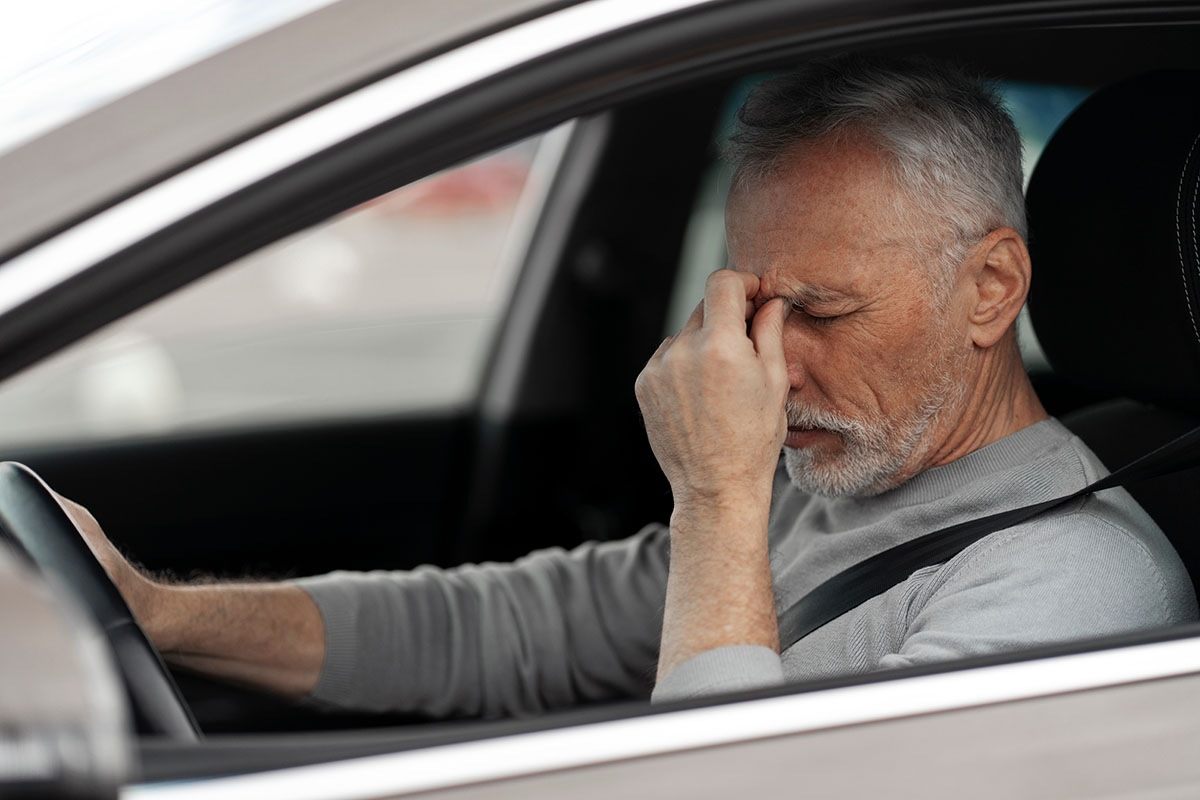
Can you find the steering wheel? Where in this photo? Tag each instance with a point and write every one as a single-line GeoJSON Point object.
{"type": "Point", "coordinates": [34, 522]}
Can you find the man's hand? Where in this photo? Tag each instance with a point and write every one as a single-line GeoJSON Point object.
{"type": "Point", "coordinates": [714, 398]}
{"type": "Point", "coordinates": [268, 635]}
{"type": "Point", "coordinates": [136, 588]}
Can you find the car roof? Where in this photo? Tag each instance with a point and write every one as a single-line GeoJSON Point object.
{"type": "Point", "coordinates": [139, 138]}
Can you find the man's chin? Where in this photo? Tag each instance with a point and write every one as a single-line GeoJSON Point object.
{"type": "Point", "coordinates": [822, 473]}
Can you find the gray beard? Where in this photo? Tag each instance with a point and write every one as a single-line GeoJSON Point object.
{"type": "Point", "coordinates": [875, 451]}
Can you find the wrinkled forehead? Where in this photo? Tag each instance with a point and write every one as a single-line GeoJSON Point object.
{"type": "Point", "coordinates": [843, 183]}
{"type": "Point", "coordinates": [831, 212]}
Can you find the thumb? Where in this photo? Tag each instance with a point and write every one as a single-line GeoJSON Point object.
{"type": "Point", "coordinates": [766, 331]}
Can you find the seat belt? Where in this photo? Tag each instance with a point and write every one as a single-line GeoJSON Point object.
{"type": "Point", "coordinates": [854, 586]}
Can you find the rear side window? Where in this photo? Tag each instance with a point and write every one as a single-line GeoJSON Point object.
{"type": "Point", "coordinates": [386, 309]}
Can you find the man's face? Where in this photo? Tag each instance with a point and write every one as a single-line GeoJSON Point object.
{"type": "Point", "coordinates": [878, 358]}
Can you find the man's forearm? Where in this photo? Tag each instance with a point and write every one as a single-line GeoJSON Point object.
{"type": "Point", "coordinates": [714, 401]}
{"type": "Point", "coordinates": [268, 635]}
{"type": "Point", "coordinates": [719, 590]}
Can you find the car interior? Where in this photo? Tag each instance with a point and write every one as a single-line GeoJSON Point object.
{"type": "Point", "coordinates": [550, 451]}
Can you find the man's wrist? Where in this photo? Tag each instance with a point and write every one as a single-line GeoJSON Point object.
{"type": "Point", "coordinates": [728, 511]}
{"type": "Point", "coordinates": [719, 591]}
{"type": "Point", "coordinates": [153, 605]}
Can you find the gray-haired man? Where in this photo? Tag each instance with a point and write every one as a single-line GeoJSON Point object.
{"type": "Point", "coordinates": [866, 326]}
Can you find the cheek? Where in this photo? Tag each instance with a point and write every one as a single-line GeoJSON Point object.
{"type": "Point", "coordinates": [828, 362]}
{"type": "Point", "coordinates": [866, 367]}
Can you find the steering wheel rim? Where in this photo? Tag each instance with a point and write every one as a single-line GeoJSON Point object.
{"type": "Point", "coordinates": [34, 522]}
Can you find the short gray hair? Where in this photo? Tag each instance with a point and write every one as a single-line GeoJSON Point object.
{"type": "Point", "coordinates": [951, 145]}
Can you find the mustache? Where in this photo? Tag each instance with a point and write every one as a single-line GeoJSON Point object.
{"type": "Point", "coordinates": [802, 416]}
{"type": "Point", "coordinates": [856, 433]}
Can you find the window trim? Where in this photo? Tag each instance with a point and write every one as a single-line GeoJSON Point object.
{"type": "Point", "coordinates": [526, 754]}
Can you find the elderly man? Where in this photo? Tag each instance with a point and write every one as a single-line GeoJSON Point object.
{"type": "Point", "coordinates": [866, 327]}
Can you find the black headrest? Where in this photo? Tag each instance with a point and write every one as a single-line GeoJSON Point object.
{"type": "Point", "coordinates": [1113, 235]}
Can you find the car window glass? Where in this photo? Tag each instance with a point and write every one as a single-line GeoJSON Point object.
{"type": "Point", "coordinates": [386, 308]}
{"type": "Point", "coordinates": [1037, 110]}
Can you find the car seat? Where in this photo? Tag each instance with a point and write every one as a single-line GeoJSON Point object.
{"type": "Point", "coordinates": [1116, 290]}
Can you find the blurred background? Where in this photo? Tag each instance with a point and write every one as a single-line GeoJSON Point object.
{"type": "Point", "coordinates": [385, 308]}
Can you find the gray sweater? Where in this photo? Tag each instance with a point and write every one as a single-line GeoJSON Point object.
{"type": "Point", "coordinates": [559, 627]}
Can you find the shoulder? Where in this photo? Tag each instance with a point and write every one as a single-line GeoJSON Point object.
{"type": "Point", "coordinates": [1099, 555]}
{"type": "Point", "coordinates": [1103, 543]}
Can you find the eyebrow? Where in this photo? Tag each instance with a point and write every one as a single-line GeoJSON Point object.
{"type": "Point", "coordinates": [815, 295]}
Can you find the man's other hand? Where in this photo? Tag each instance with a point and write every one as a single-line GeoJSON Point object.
{"type": "Point", "coordinates": [713, 396]}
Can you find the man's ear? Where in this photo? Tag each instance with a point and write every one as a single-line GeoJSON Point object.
{"type": "Point", "coordinates": [1001, 272]}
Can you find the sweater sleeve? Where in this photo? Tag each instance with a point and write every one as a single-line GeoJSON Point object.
{"type": "Point", "coordinates": [552, 629]}
{"type": "Point", "coordinates": [1068, 577]}
{"type": "Point", "coordinates": [725, 669]}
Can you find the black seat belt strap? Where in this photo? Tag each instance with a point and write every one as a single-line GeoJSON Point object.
{"type": "Point", "coordinates": [854, 586]}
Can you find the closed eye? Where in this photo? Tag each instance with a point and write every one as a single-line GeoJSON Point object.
{"type": "Point", "coordinates": [819, 319]}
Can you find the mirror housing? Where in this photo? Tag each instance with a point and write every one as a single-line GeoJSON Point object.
{"type": "Point", "coordinates": [65, 728]}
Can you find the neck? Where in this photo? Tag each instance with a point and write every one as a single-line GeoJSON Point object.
{"type": "Point", "coordinates": [1000, 401]}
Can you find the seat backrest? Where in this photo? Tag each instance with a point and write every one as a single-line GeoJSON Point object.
{"type": "Point", "coordinates": [1116, 292]}
{"type": "Point", "coordinates": [1119, 431]}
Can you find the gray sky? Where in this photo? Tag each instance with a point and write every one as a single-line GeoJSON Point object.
{"type": "Point", "coordinates": [60, 58]}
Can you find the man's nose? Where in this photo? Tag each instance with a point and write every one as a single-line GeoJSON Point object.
{"type": "Point", "coordinates": [795, 355]}
{"type": "Point", "coordinates": [796, 374]}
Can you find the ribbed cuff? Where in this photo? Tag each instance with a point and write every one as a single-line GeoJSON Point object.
{"type": "Point", "coordinates": [726, 669]}
{"type": "Point", "coordinates": [336, 685]}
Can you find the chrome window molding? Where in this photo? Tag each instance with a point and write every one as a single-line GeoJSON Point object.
{"type": "Point", "coordinates": [462, 764]}
{"type": "Point", "coordinates": [36, 271]}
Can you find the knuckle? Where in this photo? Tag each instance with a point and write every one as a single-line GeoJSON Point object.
{"type": "Point", "coordinates": [674, 365]}
{"type": "Point", "coordinates": [642, 382]}
{"type": "Point", "coordinates": [677, 354]}
{"type": "Point", "coordinates": [717, 350]}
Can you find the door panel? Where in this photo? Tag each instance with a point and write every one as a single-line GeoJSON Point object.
{"type": "Point", "coordinates": [291, 501]}
{"type": "Point", "coordinates": [1134, 741]}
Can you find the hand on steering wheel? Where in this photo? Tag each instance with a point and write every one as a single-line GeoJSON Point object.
{"type": "Point", "coordinates": [65, 543]}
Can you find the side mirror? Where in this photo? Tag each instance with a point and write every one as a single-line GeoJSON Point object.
{"type": "Point", "coordinates": [65, 728]}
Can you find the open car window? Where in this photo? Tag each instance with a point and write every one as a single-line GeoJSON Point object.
{"type": "Point", "coordinates": [386, 309]}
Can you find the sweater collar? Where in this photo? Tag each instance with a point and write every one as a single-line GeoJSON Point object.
{"type": "Point", "coordinates": [938, 482]}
